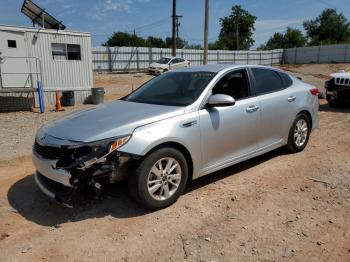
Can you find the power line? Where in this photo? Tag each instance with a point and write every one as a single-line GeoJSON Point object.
{"type": "Point", "coordinates": [140, 28]}
{"type": "Point", "coordinates": [332, 6]}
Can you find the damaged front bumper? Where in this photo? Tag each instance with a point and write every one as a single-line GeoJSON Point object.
{"type": "Point", "coordinates": [59, 178]}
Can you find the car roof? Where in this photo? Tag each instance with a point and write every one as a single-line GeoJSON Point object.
{"type": "Point", "coordinates": [171, 57]}
{"type": "Point", "coordinates": [215, 68]}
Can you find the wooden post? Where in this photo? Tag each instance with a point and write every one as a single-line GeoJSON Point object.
{"type": "Point", "coordinates": [206, 22]}
{"type": "Point", "coordinates": [174, 29]}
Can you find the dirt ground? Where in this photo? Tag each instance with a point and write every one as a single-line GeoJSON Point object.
{"type": "Point", "coordinates": [276, 207]}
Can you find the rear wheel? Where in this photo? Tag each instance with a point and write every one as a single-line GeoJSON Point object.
{"type": "Point", "coordinates": [159, 179]}
{"type": "Point", "coordinates": [299, 133]}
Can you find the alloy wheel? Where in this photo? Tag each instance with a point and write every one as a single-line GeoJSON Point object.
{"type": "Point", "coordinates": [164, 178]}
{"type": "Point", "coordinates": [301, 131]}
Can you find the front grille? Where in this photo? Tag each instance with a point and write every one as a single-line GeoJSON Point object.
{"type": "Point", "coordinates": [49, 152]}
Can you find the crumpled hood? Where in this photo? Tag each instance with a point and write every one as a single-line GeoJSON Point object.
{"type": "Point", "coordinates": [108, 120]}
{"type": "Point", "coordinates": [159, 65]}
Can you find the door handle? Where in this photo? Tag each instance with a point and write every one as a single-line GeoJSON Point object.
{"type": "Point", "coordinates": [251, 109]}
{"type": "Point", "coordinates": [291, 98]}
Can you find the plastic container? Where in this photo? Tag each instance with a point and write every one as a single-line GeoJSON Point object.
{"type": "Point", "coordinates": [98, 95]}
{"type": "Point", "coordinates": [68, 98]}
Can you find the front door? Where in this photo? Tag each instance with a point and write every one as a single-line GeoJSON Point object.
{"type": "Point", "coordinates": [229, 133]}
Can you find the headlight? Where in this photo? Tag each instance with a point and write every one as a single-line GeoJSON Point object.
{"type": "Point", "coordinates": [101, 149]}
{"type": "Point", "coordinates": [118, 143]}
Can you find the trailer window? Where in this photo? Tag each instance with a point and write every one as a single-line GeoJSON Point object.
{"type": "Point", "coordinates": [59, 51]}
{"type": "Point", "coordinates": [12, 43]}
{"type": "Point", "coordinates": [73, 52]}
{"type": "Point", "coordinates": [66, 52]}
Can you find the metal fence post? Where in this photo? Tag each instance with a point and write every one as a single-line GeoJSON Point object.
{"type": "Point", "coordinates": [110, 66]}
{"type": "Point", "coordinates": [283, 58]}
{"type": "Point", "coordinates": [346, 53]}
{"type": "Point", "coordinates": [318, 54]}
{"type": "Point", "coordinates": [201, 58]}
{"type": "Point", "coordinates": [150, 55]}
{"type": "Point", "coordinates": [218, 57]}
{"type": "Point", "coordinates": [271, 57]}
{"type": "Point", "coordinates": [137, 59]}
{"type": "Point", "coordinates": [234, 57]}
{"type": "Point", "coordinates": [260, 63]}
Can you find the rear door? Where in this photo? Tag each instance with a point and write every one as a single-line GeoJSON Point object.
{"type": "Point", "coordinates": [277, 102]}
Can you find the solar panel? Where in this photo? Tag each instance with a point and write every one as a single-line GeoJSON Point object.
{"type": "Point", "coordinates": [40, 17]}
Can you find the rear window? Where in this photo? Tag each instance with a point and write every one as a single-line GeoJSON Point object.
{"type": "Point", "coordinates": [286, 79]}
{"type": "Point", "coordinates": [267, 81]}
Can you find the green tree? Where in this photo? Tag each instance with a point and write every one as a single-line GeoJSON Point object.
{"type": "Point", "coordinates": [125, 39]}
{"type": "Point", "coordinates": [239, 21]}
{"type": "Point", "coordinates": [294, 38]}
{"type": "Point", "coordinates": [291, 38]}
{"type": "Point", "coordinates": [155, 42]}
{"type": "Point", "coordinates": [329, 27]}
{"type": "Point", "coordinates": [180, 43]}
{"type": "Point", "coordinates": [276, 41]}
{"type": "Point", "coordinates": [194, 46]}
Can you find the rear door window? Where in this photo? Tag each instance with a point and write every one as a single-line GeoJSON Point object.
{"type": "Point", "coordinates": [267, 81]}
{"type": "Point", "coordinates": [286, 79]}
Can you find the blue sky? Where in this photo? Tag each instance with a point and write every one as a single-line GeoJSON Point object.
{"type": "Point", "coordinates": [102, 17]}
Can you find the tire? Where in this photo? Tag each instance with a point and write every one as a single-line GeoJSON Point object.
{"type": "Point", "coordinates": [148, 177]}
{"type": "Point", "coordinates": [332, 104]}
{"type": "Point", "coordinates": [293, 145]}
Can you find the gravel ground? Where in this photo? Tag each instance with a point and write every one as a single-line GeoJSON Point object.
{"type": "Point", "coordinates": [270, 208]}
{"type": "Point", "coordinates": [276, 207]}
{"type": "Point", "coordinates": [18, 130]}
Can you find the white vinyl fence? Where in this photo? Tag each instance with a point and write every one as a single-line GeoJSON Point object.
{"type": "Point", "coordinates": [318, 54]}
{"type": "Point", "coordinates": [126, 59]}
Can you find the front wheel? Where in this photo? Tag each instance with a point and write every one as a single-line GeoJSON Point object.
{"type": "Point", "coordinates": [159, 179]}
{"type": "Point", "coordinates": [299, 133]}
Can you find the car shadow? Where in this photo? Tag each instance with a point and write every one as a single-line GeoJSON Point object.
{"type": "Point", "coordinates": [26, 198]}
{"type": "Point", "coordinates": [339, 108]}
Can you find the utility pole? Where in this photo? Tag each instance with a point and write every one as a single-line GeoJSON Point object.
{"type": "Point", "coordinates": [237, 36]}
{"type": "Point", "coordinates": [178, 25]}
{"type": "Point", "coordinates": [206, 23]}
{"type": "Point", "coordinates": [174, 29]}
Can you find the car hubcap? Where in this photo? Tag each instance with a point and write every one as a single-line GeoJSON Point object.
{"type": "Point", "coordinates": [300, 132]}
{"type": "Point", "coordinates": [164, 178]}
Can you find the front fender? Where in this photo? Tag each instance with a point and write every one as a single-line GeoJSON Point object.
{"type": "Point", "coordinates": [183, 129]}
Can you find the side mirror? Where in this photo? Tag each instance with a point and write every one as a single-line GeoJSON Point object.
{"type": "Point", "coordinates": [221, 100]}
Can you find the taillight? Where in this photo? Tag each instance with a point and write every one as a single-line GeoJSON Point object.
{"type": "Point", "coordinates": [314, 92]}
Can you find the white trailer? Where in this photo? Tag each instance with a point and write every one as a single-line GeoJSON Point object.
{"type": "Point", "coordinates": [61, 59]}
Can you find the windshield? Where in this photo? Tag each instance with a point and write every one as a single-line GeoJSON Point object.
{"type": "Point", "coordinates": [163, 60]}
{"type": "Point", "coordinates": [172, 89]}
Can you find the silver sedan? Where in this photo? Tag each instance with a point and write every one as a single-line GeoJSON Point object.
{"type": "Point", "coordinates": [179, 126]}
